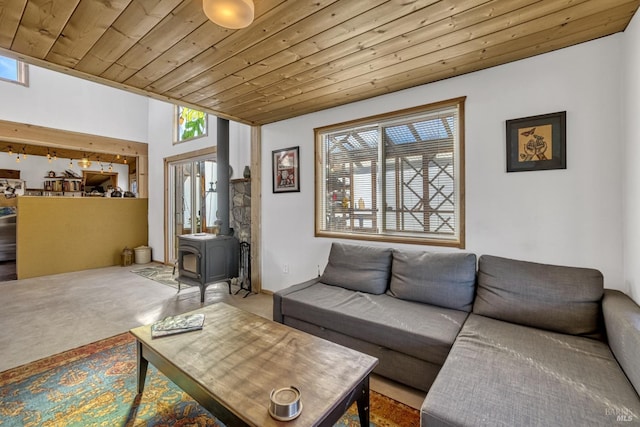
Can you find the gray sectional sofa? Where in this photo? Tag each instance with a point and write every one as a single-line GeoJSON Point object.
{"type": "Point", "coordinates": [509, 343]}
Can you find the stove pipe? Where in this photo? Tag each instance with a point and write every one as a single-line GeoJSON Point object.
{"type": "Point", "coordinates": [223, 175]}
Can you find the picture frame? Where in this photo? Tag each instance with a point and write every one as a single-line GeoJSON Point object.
{"type": "Point", "coordinates": [286, 170]}
{"type": "Point", "coordinates": [537, 143]}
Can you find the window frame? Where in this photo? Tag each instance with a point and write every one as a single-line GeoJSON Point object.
{"type": "Point", "coordinates": [387, 120]}
{"type": "Point", "coordinates": [22, 69]}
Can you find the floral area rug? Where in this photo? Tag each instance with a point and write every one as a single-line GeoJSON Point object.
{"type": "Point", "coordinates": [95, 385]}
{"type": "Point", "coordinates": [161, 274]}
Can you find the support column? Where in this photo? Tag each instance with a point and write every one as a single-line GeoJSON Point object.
{"type": "Point", "coordinates": [223, 175]}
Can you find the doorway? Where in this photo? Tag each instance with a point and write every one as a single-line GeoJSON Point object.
{"type": "Point", "coordinates": [193, 199]}
{"type": "Point", "coordinates": [99, 182]}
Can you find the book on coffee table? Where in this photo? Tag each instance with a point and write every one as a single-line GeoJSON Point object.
{"type": "Point", "coordinates": [177, 324]}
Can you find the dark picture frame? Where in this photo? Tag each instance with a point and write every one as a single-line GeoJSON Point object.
{"type": "Point", "coordinates": [286, 170]}
{"type": "Point", "coordinates": [537, 143]}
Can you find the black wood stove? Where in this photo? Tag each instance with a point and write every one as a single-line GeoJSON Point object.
{"type": "Point", "coordinates": [205, 258]}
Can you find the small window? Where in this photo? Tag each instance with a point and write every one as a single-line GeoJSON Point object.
{"type": "Point", "coordinates": [396, 177]}
{"type": "Point", "coordinates": [13, 70]}
{"type": "Point", "coordinates": [190, 124]}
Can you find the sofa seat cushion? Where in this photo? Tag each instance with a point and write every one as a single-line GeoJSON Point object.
{"type": "Point", "coordinates": [499, 373]}
{"type": "Point", "coordinates": [420, 330]}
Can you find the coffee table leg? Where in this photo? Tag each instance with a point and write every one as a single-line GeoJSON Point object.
{"type": "Point", "coordinates": [363, 404]}
{"type": "Point", "coordinates": [142, 368]}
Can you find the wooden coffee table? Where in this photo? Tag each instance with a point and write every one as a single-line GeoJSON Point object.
{"type": "Point", "coordinates": [233, 363]}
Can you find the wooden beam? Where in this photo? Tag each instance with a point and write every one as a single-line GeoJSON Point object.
{"type": "Point", "coordinates": [40, 135]}
{"type": "Point", "coordinates": [256, 208]}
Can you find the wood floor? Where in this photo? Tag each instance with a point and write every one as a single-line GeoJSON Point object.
{"type": "Point", "coordinates": [47, 315]}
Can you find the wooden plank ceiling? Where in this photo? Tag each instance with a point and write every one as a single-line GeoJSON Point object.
{"type": "Point", "coordinates": [298, 56]}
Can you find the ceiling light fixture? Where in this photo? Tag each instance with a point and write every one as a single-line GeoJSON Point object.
{"type": "Point", "coordinates": [233, 14]}
{"type": "Point", "coordinates": [10, 150]}
{"type": "Point", "coordinates": [84, 162]}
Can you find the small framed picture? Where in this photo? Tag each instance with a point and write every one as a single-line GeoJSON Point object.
{"type": "Point", "coordinates": [537, 143]}
{"type": "Point", "coordinates": [286, 170]}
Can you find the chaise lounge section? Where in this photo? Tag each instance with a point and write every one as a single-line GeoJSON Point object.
{"type": "Point", "coordinates": [534, 351]}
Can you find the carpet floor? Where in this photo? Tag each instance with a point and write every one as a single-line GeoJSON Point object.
{"type": "Point", "coordinates": [95, 385]}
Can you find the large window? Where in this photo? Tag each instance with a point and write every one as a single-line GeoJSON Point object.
{"type": "Point", "coordinates": [396, 177]}
{"type": "Point", "coordinates": [13, 70]}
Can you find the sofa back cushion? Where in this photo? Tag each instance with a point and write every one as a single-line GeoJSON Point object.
{"type": "Point", "coordinates": [555, 298]}
{"type": "Point", "coordinates": [442, 279]}
{"type": "Point", "coordinates": [359, 268]}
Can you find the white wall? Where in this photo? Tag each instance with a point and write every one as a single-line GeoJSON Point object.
{"type": "Point", "coordinates": [60, 101]}
{"type": "Point", "coordinates": [161, 146]}
{"type": "Point", "coordinates": [631, 128]}
{"type": "Point", "coordinates": [570, 217]}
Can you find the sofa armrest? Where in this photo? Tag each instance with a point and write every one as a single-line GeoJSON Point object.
{"type": "Point", "coordinates": [277, 297]}
{"type": "Point", "coordinates": [622, 322]}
